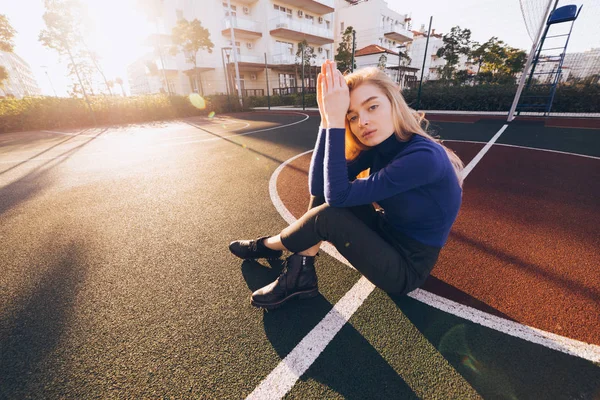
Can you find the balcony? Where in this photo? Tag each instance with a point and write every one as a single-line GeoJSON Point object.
{"type": "Point", "coordinates": [318, 7]}
{"type": "Point", "coordinates": [289, 59]}
{"type": "Point", "coordinates": [397, 33]}
{"type": "Point", "coordinates": [249, 2]}
{"type": "Point", "coordinates": [290, 29]}
{"type": "Point", "coordinates": [244, 28]}
{"type": "Point", "coordinates": [279, 59]}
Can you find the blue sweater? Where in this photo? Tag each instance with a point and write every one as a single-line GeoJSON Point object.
{"type": "Point", "coordinates": [413, 181]}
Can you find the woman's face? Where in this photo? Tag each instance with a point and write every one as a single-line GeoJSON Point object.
{"type": "Point", "coordinates": [370, 115]}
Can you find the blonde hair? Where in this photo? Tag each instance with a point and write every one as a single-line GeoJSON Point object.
{"type": "Point", "coordinates": [407, 122]}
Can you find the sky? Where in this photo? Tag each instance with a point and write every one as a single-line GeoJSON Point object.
{"type": "Point", "coordinates": [117, 29]}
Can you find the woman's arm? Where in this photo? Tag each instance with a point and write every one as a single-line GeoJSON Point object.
{"type": "Point", "coordinates": [315, 171]}
{"type": "Point", "coordinates": [421, 165]}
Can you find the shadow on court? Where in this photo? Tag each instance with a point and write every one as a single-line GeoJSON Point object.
{"type": "Point", "coordinates": [341, 367]}
{"type": "Point", "coordinates": [31, 332]}
{"type": "Point", "coordinates": [36, 180]}
{"type": "Point", "coordinates": [500, 366]}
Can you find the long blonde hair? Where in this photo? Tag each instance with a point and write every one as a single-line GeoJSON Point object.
{"type": "Point", "coordinates": [407, 122]}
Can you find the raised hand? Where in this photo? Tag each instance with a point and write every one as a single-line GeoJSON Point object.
{"type": "Point", "coordinates": [335, 95]}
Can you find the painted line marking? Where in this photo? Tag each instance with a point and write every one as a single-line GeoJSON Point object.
{"type": "Point", "coordinates": [280, 381]}
{"type": "Point", "coordinates": [482, 152]}
{"type": "Point", "coordinates": [524, 147]}
{"type": "Point", "coordinates": [291, 368]}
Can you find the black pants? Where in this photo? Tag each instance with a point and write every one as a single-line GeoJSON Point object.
{"type": "Point", "coordinates": [389, 259]}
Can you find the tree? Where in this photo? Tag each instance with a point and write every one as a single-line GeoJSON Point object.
{"type": "Point", "coordinates": [63, 20]}
{"type": "Point", "coordinates": [189, 38]}
{"type": "Point", "coordinates": [119, 82]}
{"type": "Point", "coordinates": [343, 57]}
{"type": "Point", "coordinates": [382, 62]}
{"type": "Point", "coordinates": [477, 53]}
{"type": "Point", "coordinates": [6, 35]}
{"type": "Point", "coordinates": [96, 61]}
{"type": "Point", "coordinates": [502, 61]}
{"type": "Point", "coordinates": [309, 56]}
{"type": "Point", "coordinates": [6, 44]}
{"type": "Point", "coordinates": [403, 60]}
{"type": "Point", "coordinates": [456, 42]}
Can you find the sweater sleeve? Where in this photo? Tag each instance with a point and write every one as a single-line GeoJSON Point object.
{"type": "Point", "coordinates": [417, 167]}
{"type": "Point", "coordinates": [315, 171]}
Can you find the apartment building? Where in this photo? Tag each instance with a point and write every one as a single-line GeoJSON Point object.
{"type": "Point", "coordinates": [416, 52]}
{"type": "Point", "coordinates": [375, 23]}
{"type": "Point", "coordinates": [21, 82]}
{"type": "Point", "coordinates": [261, 35]}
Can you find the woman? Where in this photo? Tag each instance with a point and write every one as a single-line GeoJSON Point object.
{"type": "Point", "coordinates": [366, 124]}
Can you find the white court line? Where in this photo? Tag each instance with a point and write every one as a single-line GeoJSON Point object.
{"type": "Point", "coordinates": [482, 152]}
{"type": "Point", "coordinates": [525, 147]}
{"type": "Point", "coordinates": [173, 143]}
{"type": "Point", "coordinates": [280, 381]}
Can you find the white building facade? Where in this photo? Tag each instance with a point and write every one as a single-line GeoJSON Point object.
{"type": "Point", "coordinates": [262, 29]}
{"type": "Point", "coordinates": [21, 82]}
{"type": "Point", "coordinates": [374, 22]}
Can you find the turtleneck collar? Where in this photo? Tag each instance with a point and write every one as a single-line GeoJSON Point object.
{"type": "Point", "coordinates": [391, 145]}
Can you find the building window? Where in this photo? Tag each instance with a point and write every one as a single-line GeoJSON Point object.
{"type": "Point", "coordinates": [287, 12]}
{"type": "Point", "coordinates": [327, 53]}
{"type": "Point", "coordinates": [342, 27]}
{"type": "Point", "coordinates": [226, 10]}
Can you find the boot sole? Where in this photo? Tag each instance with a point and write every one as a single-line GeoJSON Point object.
{"type": "Point", "coordinates": [298, 295]}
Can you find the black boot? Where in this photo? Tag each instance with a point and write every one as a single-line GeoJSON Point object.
{"type": "Point", "coordinates": [297, 280]}
{"type": "Point", "coordinates": [253, 249]}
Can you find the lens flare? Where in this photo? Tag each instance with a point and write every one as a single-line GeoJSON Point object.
{"type": "Point", "coordinates": [197, 101]}
{"type": "Point", "coordinates": [211, 114]}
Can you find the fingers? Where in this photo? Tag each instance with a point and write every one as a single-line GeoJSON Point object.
{"type": "Point", "coordinates": [331, 76]}
{"type": "Point", "coordinates": [321, 83]}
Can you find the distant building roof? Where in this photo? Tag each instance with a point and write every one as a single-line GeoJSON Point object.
{"type": "Point", "coordinates": [373, 49]}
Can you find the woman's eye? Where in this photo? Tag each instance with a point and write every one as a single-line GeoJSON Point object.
{"type": "Point", "coordinates": [352, 119]}
{"type": "Point", "coordinates": [374, 106]}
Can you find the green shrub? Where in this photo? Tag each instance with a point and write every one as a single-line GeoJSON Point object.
{"type": "Point", "coordinates": [36, 113]}
{"type": "Point", "coordinates": [576, 99]}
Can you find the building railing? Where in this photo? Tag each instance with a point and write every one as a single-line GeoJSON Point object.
{"type": "Point", "coordinates": [289, 59]}
{"type": "Point", "coordinates": [241, 23]}
{"type": "Point", "coordinates": [398, 29]}
{"type": "Point", "coordinates": [253, 92]}
{"type": "Point", "coordinates": [293, 90]}
{"type": "Point", "coordinates": [249, 58]}
{"type": "Point", "coordinates": [304, 27]}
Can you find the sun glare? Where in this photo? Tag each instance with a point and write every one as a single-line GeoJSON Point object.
{"type": "Point", "coordinates": [197, 101]}
{"type": "Point", "coordinates": [117, 33]}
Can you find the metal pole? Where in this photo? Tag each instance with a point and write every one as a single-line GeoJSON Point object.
{"type": "Point", "coordinates": [235, 60]}
{"type": "Point", "coordinates": [303, 77]}
{"type": "Point", "coordinates": [423, 68]}
{"type": "Point", "coordinates": [511, 113]}
{"type": "Point", "coordinates": [353, 48]}
{"type": "Point", "coordinates": [267, 77]}
{"type": "Point", "coordinates": [225, 70]}
{"type": "Point", "coordinates": [226, 78]}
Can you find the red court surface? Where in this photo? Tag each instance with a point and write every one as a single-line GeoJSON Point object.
{"type": "Point", "coordinates": [525, 244]}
